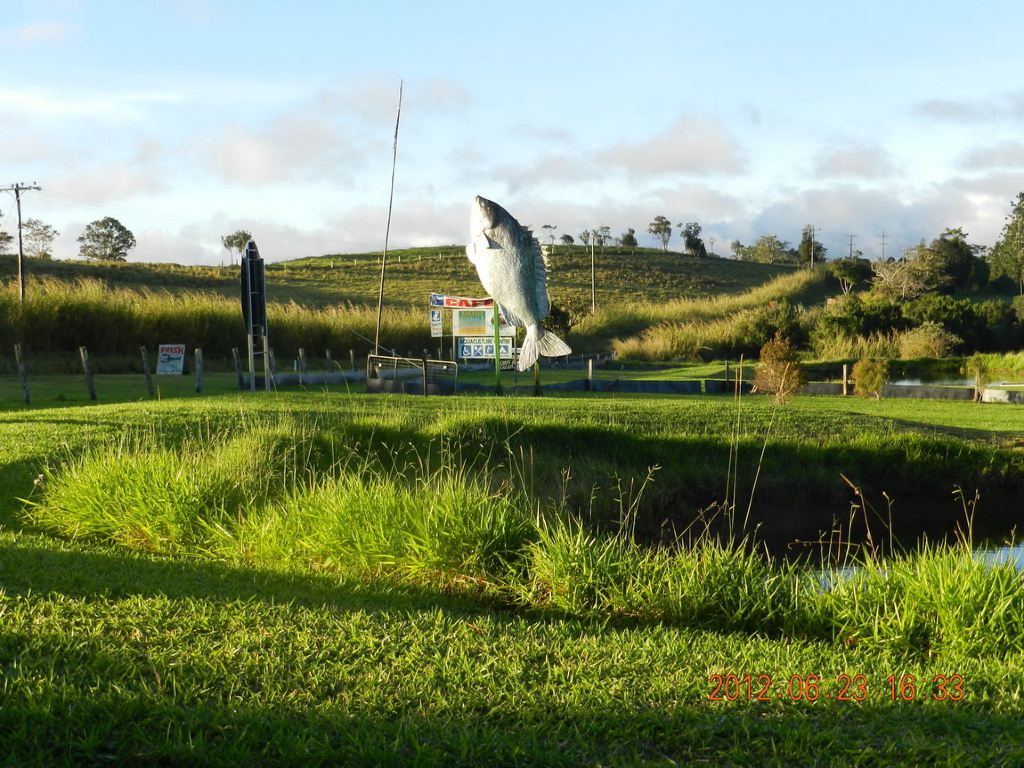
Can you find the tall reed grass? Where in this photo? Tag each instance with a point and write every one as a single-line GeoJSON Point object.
{"type": "Point", "coordinates": [60, 316]}
{"type": "Point", "coordinates": [708, 328]}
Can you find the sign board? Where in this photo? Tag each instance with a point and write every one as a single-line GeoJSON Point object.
{"type": "Point", "coordinates": [454, 302]}
{"type": "Point", "coordinates": [482, 347]}
{"type": "Point", "coordinates": [435, 323]}
{"type": "Point", "coordinates": [254, 295]}
{"type": "Point", "coordinates": [471, 322]}
{"type": "Point", "coordinates": [477, 322]}
{"type": "Point", "coordinates": [171, 359]}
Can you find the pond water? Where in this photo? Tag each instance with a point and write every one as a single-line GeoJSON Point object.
{"type": "Point", "coordinates": [1014, 554]}
{"type": "Point", "coordinates": [935, 382]}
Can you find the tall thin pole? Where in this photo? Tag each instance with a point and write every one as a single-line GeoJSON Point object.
{"type": "Point", "coordinates": [17, 189]}
{"type": "Point", "coordinates": [387, 231]}
{"type": "Point", "coordinates": [593, 279]}
{"type": "Point", "coordinates": [21, 249]}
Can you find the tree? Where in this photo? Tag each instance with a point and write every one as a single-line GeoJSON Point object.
{"type": "Point", "coordinates": [810, 253]}
{"type": "Point", "coordinates": [236, 241]}
{"type": "Point", "coordinates": [567, 239]}
{"type": "Point", "coordinates": [779, 371]}
{"type": "Point", "coordinates": [628, 240]}
{"type": "Point", "coordinates": [661, 228]}
{"type": "Point", "coordinates": [739, 250]}
{"type": "Point", "coordinates": [958, 260]}
{"type": "Point", "coordinates": [585, 236]}
{"type": "Point", "coordinates": [850, 272]}
{"type": "Point", "coordinates": [106, 239]}
{"type": "Point", "coordinates": [767, 250]}
{"type": "Point", "coordinates": [917, 273]}
{"type": "Point", "coordinates": [551, 231]}
{"type": "Point", "coordinates": [5, 242]}
{"type": "Point", "coordinates": [601, 236]}
{"type": "Point", "coordinates": [1007, 257]}
{"type": "Point", "coordinates": [692, 242]}
{"type": "Point", "coordinates": [38, 237]}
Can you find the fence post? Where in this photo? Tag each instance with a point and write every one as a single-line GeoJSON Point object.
{"type": "Point", "coordinates": [537, 392]}
{"type": "Point", "coordinates": [424, 373]}
{"type": "Point", "coordinates": [352, 357]}
{"type": "Point", "coordinates": [302, 364]}
{"type": "Point", "coordinates": [199, 370]}
{"type": "Point", "coordinates": [846, 381]}
{"type": "Point", "coordinates": [272, 359]}
{"type": "Point", "coordinates": [145, 370]}
{"type": "Point", "coordinates": [84, 354]}
{"type": "Point", "coordinates": [22, 373]}
{"type": "Point", "coordinates": [330, 362]}
{"type": "Point", "coordinates": [590, 374]}
{"type": "Point", "coordinates": [238, 367]}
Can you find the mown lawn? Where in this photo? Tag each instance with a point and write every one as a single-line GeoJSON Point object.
{"type": "Point", "coordinates": [115, 654]}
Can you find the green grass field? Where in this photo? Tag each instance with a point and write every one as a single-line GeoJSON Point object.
{"type": "Point", "coordinates": [313, 578]}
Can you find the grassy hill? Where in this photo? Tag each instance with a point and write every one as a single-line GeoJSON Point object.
{"type": "Point", "coordinates": [328, 302]}
{"type": "Point", "coordinates": [415, 272]}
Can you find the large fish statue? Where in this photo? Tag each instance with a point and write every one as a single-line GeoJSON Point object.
{"type": "Point", "coordinates": [511, 269]}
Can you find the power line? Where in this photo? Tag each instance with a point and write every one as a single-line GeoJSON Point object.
{"type": "Point", "coordinates": [17, 188]}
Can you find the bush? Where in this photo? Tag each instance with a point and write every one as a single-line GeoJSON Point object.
{"type": "Point", "coordinates": [779, 371]}
{"type": "Point", "coordinates": [1000, 327]}
{"type": "Point", "coordinates": [869, 377]}
{"type": "Point", "coordinates": [957, 316]}
{"type": "Point", "coordinates": [1018, 308]}
{"type": "Point", "coordinates": [927, 340]}
{"type": "Point", "coordinates": [756, 327]}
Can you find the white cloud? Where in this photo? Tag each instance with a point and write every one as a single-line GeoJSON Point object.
{"type": "Point", "coordinates": [854, 161]}
{"type": "Point", "coordinates": [1009, 107]}
{"type": "Point", "coordinates": [109, 106]}
{"type": "Point", "coordinates": [37, 33]}
{"type": "Point", "coordinates": [1006, 154]}
{"type": "Point", "coordinates": [693, 145]}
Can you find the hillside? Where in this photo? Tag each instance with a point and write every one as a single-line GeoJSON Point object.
{"type": "Point", "coordinates": [414, 273]}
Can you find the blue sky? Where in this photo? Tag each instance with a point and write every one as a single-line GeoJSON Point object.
{"type": "Point", "coordinates": [188, 119]}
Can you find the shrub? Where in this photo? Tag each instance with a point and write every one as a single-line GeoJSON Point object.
{"type": "Point", "coordinates": [779, 371]}
{"type": "Point", "coordinates": [869, 377]}
{"type": "Point", "coordinates": [927, 340]}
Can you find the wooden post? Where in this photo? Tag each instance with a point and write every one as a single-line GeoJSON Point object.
{"type": "Point", "coordinates": [302, 364]}
{"type": "Point", "coordinates": [84, 354]}
{"type": "Point", "coordinates": [327, 356]}
{"type": "Point", "coordinates": [199, 370]}
{"type": "Point", "coordinates": [352, 358]}
{"type": "Point", "coordinates": [424, 372]}
{"type": "Point", "coordinates": [269, 357]}
{"type": "Point", "coordinates": [145, 370]}
{"type": "Point", "coordinates": [238, 367]}
{"type": "Point", "coordinates": [251, 345]}
{"type": "Point", "coordinates": [727, 370]}
{"type": "Point", "coordinates": [22, 373]}
{"type": "Point", "coordinates": [536, 379]}
{"type": "Point", "coordinates": [846, 381]}
{"type": "Point", "coordinates": [590, 374]}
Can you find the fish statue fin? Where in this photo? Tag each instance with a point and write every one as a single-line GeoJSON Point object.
{"type": "Point", "coordinates": [540, 342]}
{"type": "Point", "coordinates": [510, 318]}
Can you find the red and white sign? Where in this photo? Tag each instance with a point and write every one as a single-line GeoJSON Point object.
{"type": "Point", "coordinates": [171, 359]}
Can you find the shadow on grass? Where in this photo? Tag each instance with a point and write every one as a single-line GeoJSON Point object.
{"type": "Point", "coordinates": [39, 565]}
{"type": "Point", "coordinates": [144, 727]}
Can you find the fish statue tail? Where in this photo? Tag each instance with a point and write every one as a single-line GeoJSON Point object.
{"type": "Point", "coordinates": [540, 342]}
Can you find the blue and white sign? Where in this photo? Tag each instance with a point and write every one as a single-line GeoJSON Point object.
{"type": "Point", "coordinates": [482, 347]}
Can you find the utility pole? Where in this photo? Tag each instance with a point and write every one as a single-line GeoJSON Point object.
{"type": "Point", "coordinates": [883, 246]}
{"type": "Point", "coordinates": [17, 189]}
{"type": "Point", "coordinates": [851, 245]}
{"type": "Point", "coordinates": [812, 247]}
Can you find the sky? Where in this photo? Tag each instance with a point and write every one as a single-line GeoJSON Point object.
{"type": "Point", "coordinates": [189, 119]}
